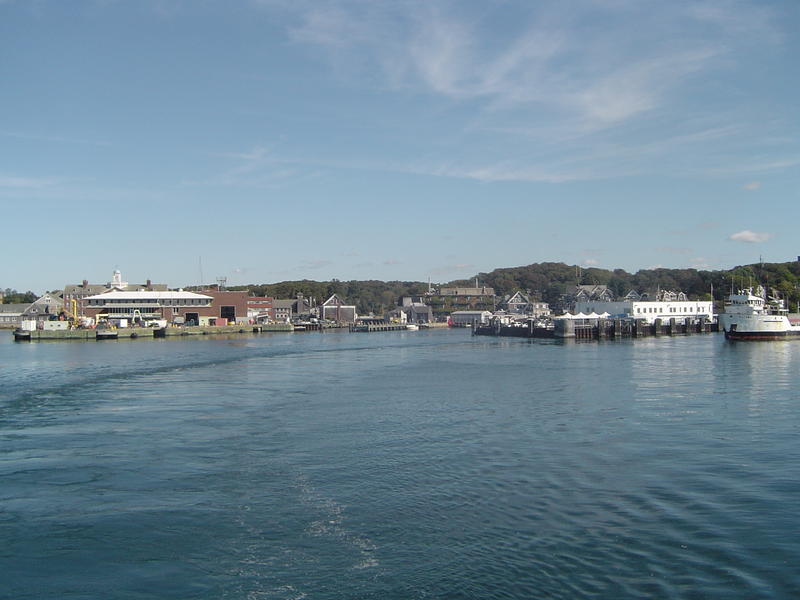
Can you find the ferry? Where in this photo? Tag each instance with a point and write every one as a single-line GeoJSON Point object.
{"type": "Point", "coordinates": [750, 316]}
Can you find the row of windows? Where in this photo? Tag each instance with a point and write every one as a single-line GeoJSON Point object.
{"type": "Point", "coordinates": [151, 302]}
{"type": "Point", "coordinates": [672, 309]}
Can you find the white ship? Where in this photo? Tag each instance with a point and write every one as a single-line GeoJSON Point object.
{"type": "Point", "coordinates": [749, 316]}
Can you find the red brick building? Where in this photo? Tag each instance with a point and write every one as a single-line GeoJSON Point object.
{"type": "Point", "coordinates": [173, 306]}
{"type": "Point", "coordinates": [226, 305]}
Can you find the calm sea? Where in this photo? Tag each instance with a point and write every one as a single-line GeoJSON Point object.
{"type": "Point", "coordinates": [428, 464]}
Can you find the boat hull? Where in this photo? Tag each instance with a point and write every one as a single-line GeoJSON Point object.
{"type": "Point", "coordinates": [762, 335]}
{"type": "Point", "coordinates": [758, 327]}
{"type": "Point", "coordinates": [21, 335]}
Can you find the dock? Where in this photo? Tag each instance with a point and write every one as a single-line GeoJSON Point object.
{"type": "Point", "coordinates": [600, 329]}
{"type": "Point", "coordinates": [371, 327]}
{"type": "Point", "coordinates": [132, 333]}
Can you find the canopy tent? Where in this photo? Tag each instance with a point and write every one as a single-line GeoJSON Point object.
{"type": "Point", "coordinates": [581, 315]}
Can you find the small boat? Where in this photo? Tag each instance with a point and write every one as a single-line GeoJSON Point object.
{"type": "Point", "coordinates": [412, 327]}
{"type": "Point", "coordinates": [749, 315]}
{"type": "Point", "coordinates": [105, 333]}
{"type": "Point", "coordinates": [22, 335]}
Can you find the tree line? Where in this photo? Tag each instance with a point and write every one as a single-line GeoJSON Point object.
{"type": "Point", "coordinates": [11, 296]}
{"type": "Point", "coordinates": [548, 281]}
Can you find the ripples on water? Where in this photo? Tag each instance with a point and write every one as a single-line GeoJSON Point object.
{"type": "Point", "coordinates": [399, 465]}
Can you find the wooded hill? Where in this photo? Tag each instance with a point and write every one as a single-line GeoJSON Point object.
{"type": "Point", "coordinates": [548, 281]}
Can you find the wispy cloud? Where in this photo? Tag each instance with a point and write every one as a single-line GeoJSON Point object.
{"type": "Point", "coordinates": [752, 186]}
{"type": "Point", "coordinates": [452, 270]}
{"type": "Point", "coordinates": [736, 166]}
{"type": "Point", "coordinates": [580, 79]}
{"type": "Point", "coordinates": [555, 61]}
{"type": "Point", "coordinates": [749, 237]}
{"type": "Point", "coordinates": [12, 181]}
{"type": "Point", "coordinates": [700, 262]}
{"type": "Point", "coordinates": [315, 264]}
{"type": "Point", "coordinates": [259, 167]}
{"type": "Point", "coordinates": [673, 250]}
{"type": "Point", "coordinates": [51, 138]}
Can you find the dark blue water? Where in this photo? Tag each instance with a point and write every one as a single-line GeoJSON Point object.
{"type": "Point", "coordinates": [399, 465]}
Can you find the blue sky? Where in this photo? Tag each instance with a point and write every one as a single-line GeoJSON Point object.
{"type": "Point", "coordinates": [274, 139]}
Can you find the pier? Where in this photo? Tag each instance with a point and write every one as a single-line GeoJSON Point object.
{"type": "Point", "coordinates": [600, 329]}
{"type": "Point", "coordinates": [370, 327]}
{"type": "Point", "coordinates": [132, 333]}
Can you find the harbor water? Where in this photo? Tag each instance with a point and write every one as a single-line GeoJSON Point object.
{"type": "Point", "coordinates": [399, 465]}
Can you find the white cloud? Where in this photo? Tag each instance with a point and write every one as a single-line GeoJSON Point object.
{"type": "Point", "coordinates": [752, 186]}
{"type": "Point", "coordinates": [591, 262]}
{"type": "Point", "coordinates": [750, 237]}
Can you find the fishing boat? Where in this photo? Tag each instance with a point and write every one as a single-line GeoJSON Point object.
{"type": "Point", "coordinates": [750, 315]}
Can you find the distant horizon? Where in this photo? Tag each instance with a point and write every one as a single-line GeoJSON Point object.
{"type": "Point", "coordinates": [394, 140]}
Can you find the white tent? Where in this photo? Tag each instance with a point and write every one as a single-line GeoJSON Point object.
{"type": "Point", "coordinates": [580, 315]}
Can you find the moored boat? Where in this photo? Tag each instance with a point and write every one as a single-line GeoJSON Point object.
{"type": "Point", "coordinates": [22, 335]}
{"type": "Point", "coordinates": [106, 333]}
{"type": "Point", "coordinates": [749, 315]}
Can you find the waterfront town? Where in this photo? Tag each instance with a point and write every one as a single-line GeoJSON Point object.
{"type": "Point", "coordinates": [117, 308]}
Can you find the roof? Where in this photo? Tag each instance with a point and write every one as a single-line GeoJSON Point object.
{"type": "Point", "coordinates": [13, 308]}
{"type": "Point", "coordinates": [335, 300]}
{"type": "Point", "coordinates": [155, 295]}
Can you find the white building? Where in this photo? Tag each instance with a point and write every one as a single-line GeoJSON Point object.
{"type": "Point", "coordinates": [650, 310]}
{"type": "Point", "coordinates": [467, 318]}
{"type": "Point", "coordinates": [146, 305]}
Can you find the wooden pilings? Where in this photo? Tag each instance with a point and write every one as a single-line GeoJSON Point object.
{"type": "Point", "coordinates": [599, 329]}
